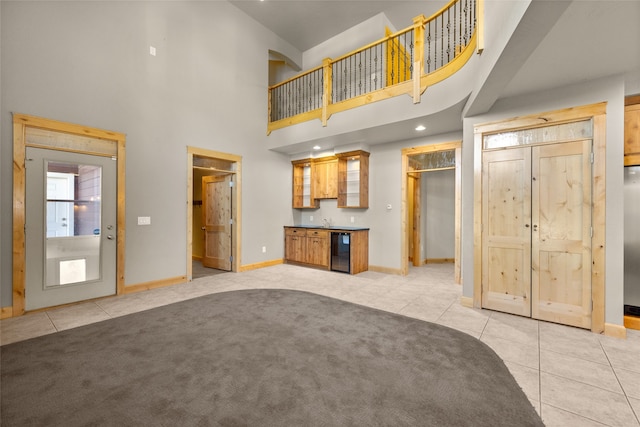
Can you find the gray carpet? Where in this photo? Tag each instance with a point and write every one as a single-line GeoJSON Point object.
{"type": "Point", "coordinates": [259, 358]}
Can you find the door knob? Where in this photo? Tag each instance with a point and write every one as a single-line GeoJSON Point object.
{"type": "Point", "coordinates": [110, 237]}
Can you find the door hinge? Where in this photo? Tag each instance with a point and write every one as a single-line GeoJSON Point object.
{"type": "Point", "coordinates": [592, 156]}
{"type": "Point", "coordinates": [591, 231]}
{"type": "Point", "coordinates": [114, 158]}
{"type": "Point", "coordinates": [230, 183]}
{"type": "Point", "coordinates": [231, 258]}
{"type": "Point", "coordinates": [231, 221]}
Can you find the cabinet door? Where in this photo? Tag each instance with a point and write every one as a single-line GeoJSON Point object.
{"type": "Point", "coordinates": [318, 248]}
{"type": "Point", "coordinates": [295, 245]}
{"type": "Point", "coordinates": [506, 231]}
{"type": "Point", "coordinates": [632, 135]}
{"type": "Point", "coordinates": [325, 178]}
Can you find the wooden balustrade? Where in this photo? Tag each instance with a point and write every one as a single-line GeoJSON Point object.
{"type": "Point", "coordinates": [401, 63]}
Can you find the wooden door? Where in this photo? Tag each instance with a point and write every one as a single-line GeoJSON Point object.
{"type": "Point", "coordinates": [216, 221]}
{"type": "Point", "coordinates": [561, 233]}
{"type": "Point", "coordinates": [506, 231]}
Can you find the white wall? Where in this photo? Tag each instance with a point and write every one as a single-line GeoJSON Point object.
{"type": "Point", "coordinates": [438, 214]}
{"type": "Point", "coordinates": [89, 63]}
{"type": "Point", "coordinates": [354, 38]}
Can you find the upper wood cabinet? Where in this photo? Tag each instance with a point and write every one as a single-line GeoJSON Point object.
{"type": "Point", "coordinates": [325, 178]}
{"type": "Point", "coordinates": [344, 177]}
{"type": "Point", "coordinates": [353, 179]}
{"type": "Point", "coordinates": [302, 191]}
{"type": "Point", "coordinates": [632, 131]}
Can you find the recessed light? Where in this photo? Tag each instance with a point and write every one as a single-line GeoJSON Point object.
{"type": "Point", "coordinates": [316, 147]}
{"type": "Point", "coordinates": [420, 128]}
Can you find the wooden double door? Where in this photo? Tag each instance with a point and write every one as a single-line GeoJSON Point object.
{"type": "Point", "coordinates": [536, 231]}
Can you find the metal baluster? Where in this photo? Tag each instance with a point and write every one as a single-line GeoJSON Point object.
{"type": "Point", "coordinates": [448, 35]}
{"type": "Point", "coordinates": [428, 47]}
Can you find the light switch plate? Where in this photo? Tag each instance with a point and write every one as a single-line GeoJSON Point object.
{"type": "Point", "coordinates": [144, 220]}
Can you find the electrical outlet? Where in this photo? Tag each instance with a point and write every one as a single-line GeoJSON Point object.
{"type": "Point", "coordinates": [152, 51]}
{"type": "Point", "coordinates": [264, 249]}
{"type": "Point", "coordinates": [311, 218]}
{"type": "Point", "coordinates": [144, 220]}
{"type": "Point", "coordinates": [353, 219]}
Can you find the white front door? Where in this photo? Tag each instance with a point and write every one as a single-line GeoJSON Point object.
{"type": "Point", "coordinates": [70, 219]}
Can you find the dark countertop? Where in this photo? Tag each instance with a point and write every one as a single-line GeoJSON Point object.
{"type": "Point", "coordinates": [333, 227]}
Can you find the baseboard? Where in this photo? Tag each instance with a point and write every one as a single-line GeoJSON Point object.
{"type": "Point", "coordinates": [439, 261]}
{"type": "Point", "coordinates": [154, 284]}
{"type": "Point", "coordinates": [466, 301]}
{"type": "Point", "coordinates": [386, 270]}
{"type": "Point", "coordinates": [6, 312]}
{"type": "Point", "coordinates": [616, 331]}
{"type": "Point", "coordinates": [632, 322]}
{"type": "Point", "coordinates": [196, 258]}
{"type": "Point", "coordinates": [263, 264]}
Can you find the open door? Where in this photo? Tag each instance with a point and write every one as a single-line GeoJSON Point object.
{"type": "Point", "coordinates": [217, 221]}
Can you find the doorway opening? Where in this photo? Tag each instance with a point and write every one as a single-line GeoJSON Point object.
{"type": "Point", "coordinates": [213, 212]}
{"type": "Point", "coordinates": [442, 163]}
{"type": "Point", "coordinates": [74, 236]}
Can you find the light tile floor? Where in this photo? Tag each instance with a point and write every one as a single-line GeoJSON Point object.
{"type": "Point", "coordinates": [572, 376]}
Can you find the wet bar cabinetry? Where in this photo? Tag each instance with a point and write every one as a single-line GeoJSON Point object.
{"type": "Point", "coordinates": [309, 246]}
{"type": "Point", "coordinates": [344, 177]}
{"type": "Point", "coordinates": [632, 131]}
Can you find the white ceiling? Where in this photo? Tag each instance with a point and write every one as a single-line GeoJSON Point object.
{"type": "Point", "coordinates": [307, 23]}
{"type": "Point", "coordinates": [591, 39]}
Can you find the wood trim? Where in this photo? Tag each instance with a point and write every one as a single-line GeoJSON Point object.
{"type": "Point", "coordinates": [631, 322]}
{"type": "Point", "coordinates": [458, 218]}
{"type": "Point", "coordinates": [542, 119]}
{"type": "Point", "coordinates": [64, 127]}
{"type": "Point", "coordinates": [406, 152]}
{"type": "Point", "coordinates": [6, 312]}
{"type": "Point", "coordinates": [236, 247]}
{"type": "Point", "coordinates": [597, 112]}
{"type": "Point", "coordinates": [439, 261]}
{"type": "Point", "coordinates": [466, 302]}
{"type": "Point", "coordinates": [632, 159]}
{"type": "Point", "coordinates": [615, 331]}
{"type": "Point", "coordinates": [598, 222]}
{"type": "Point", "coordinates": [20, 124]}
{"type": "Point", "coordinates": [263, 264]}
{"type": "Point", "coordinates": [19, 193]}
{"type": "Point", "coordinates": [386, 270]}
{"type": "Point", "coordinates": [121, 217]}
{"type": "Point", "coordinates": [631, 100]}
{"type": "Point", "coordinates": [154, 284]}
{"type": "Point", "coordinates": [480, 26]}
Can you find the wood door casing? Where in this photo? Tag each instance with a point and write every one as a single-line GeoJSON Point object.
{"type": "Point", "coordinates": [506, 231]}
{"type": "Point", "coordinates": [561, 233]}
{"type": "Point", "coordinates": [216, 221]}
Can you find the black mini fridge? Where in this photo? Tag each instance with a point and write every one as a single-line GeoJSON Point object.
{"type": "Point", "coordinates": [340, 252]}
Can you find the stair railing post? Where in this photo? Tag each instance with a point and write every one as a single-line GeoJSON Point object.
{"type": "Point", "coordinates": [418, 62]}
{"type": "Point", "coordinates": [327, 71]}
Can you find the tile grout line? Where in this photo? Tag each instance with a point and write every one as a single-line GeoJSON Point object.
{"type": "Point", "coordinates": [51, 320]}
{"type": "Point", "coordinates": [624, 392]}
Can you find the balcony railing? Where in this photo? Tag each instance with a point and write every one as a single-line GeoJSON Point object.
{"type": "Point", "coordinates": [437, 47]}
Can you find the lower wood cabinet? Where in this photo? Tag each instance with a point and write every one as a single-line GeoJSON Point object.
{"type": "Point", "coordinates": [312, 247]}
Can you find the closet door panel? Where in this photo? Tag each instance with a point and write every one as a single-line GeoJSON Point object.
{"type": "Point", "coordinates": [561, 233]}
{"type": "Point", "coordinates": [506, 231]}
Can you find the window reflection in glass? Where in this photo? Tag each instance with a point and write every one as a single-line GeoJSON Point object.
{"type": "Point", "coordinates": [73, 215]}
